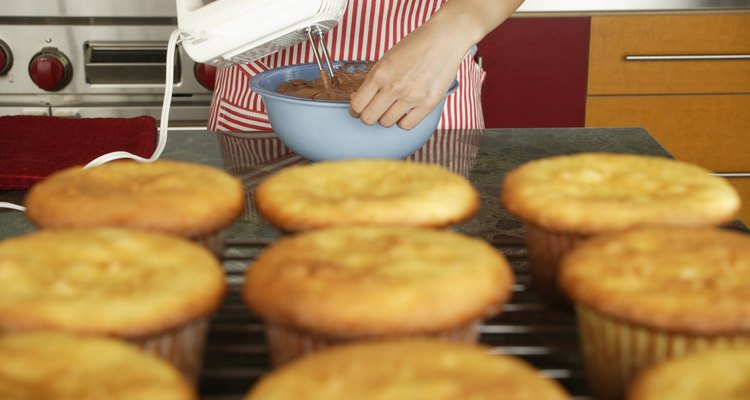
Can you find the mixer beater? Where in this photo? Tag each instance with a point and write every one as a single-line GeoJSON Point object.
{"type": "Point", "coordinates": [315, 33]}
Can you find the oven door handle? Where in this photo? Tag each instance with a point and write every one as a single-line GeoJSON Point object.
{"type": "Point", "coordinates": [66, 113]}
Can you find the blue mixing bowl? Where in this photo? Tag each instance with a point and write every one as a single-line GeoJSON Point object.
{"type": "Point", "coordinates": [323, 129]}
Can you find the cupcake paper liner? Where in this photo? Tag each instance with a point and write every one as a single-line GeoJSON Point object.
{"type": "Point", "coordinates": [614, 351]}
{"type": "Point", "coordinates": [546, 250]}
{"type": "Point", "coordinates": [182, 347]}
{"type": "Point", "coordinates": [286, 344]}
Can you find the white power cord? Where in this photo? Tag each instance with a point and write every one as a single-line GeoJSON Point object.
{"type": "Point", "coordinates": [162, 135]}
{"type": "Point", "coordinates": [12, 206]}
{"type": "Point", "coordinates": [161, 140]}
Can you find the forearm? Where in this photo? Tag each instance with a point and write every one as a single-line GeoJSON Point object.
{"type": "Point", "coordinates": [468, 21]}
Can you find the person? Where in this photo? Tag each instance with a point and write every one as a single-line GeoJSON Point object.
{"type": "Point", "coordinates": [420, 47]}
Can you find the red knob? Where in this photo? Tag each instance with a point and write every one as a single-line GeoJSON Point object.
{"type": "Point", "coordinates": [6, 58]}
{"type": "Point", "coordinates": [50, 69]}
{"type": "Point", "coordinates": [206, 75]}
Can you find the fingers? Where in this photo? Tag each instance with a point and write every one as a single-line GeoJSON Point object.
{"type": "Point", "coordinates": [395, 113]}
{"type": "Point", "coordinates": [379, 106]}
{"type": "Point", "coordinates": [414, 117]}
{"type": "Point", "coordinates": [362, 98]}
{"type": "Point", "coordinates": [389, 108]}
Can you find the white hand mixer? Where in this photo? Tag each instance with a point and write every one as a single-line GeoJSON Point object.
{"type": "Point", "coordinates": [223, 32]}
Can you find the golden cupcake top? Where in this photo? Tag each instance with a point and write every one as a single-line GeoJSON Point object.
{"type": "Point", "coordinates": [597, 192]}
{"type": "Point", "coordinates": [365, 192]}
{"type": "Point", "coordinates": [687, 280]}
{"type": "Point", "coordinates": [167, 196]}
{"type": "Point", "coordinates": [720, 374]}
{"type": "Point", "coordinates": [406, 370]}
{"type": "Point", "coordinates": [58, 366]}
{"type": "Point", "coordinates": [105, 281]}
{"type": "Point", "coordinates": [361, 281]}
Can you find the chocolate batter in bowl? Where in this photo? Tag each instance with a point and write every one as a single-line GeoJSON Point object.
{"type": "Point", "coordinates": [314, 121]}
{"type": "Point", "coordinates": [345, 81]}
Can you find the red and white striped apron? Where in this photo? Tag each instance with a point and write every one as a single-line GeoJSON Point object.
{"type": "Point", "coordinates": [367, 30]}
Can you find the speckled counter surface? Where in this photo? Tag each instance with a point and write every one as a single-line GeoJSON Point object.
{"type": "Point", "coordinates": [487, 154]}
{"type": "Point", "coordinates": [547, 337]}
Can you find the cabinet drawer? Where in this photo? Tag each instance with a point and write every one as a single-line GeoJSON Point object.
{"type": "Point", "coordinates": [743, 188]}
{"type": "Point", "coordinates": [615, 38]}
{"type": "Point", "coordinates": [709, 130]}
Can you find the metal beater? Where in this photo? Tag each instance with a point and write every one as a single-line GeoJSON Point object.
{"type": "Point", "coordinates": [320, 51]}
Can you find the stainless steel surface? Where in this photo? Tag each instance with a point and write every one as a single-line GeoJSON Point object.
{"type": "Point", "coordinates": [687, 57]}
{"type": "Point", "coordinates": [538, 6]}
{"type": "Point", "coordinates": [88, 8]}
{"type": "Point", "coordinates": [26, 40]}
{"type": "Point", "coordinates": [127, 62]}
{"type": "Point", "coordinates": [117, 51]}
{"type": "Point", "coordinates": [236, 352]}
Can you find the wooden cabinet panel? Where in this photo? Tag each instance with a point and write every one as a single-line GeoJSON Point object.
{"type": "Point", "coordinates": [536, 73]}
{"type": "Point", "coordinates": [709, 130]}
{"type": "Point", "coordinates": [743, 187]}
{"type": "Point", "coordinates": [615, 37]}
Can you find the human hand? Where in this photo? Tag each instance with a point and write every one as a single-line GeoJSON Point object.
{"type": "Point", "coordinates": [410, 79]}
{"type": "Point", "coordinates": [413, 76]}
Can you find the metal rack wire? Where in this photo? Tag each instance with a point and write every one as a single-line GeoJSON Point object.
{"type": "Point", "coordinates": [236, 354]}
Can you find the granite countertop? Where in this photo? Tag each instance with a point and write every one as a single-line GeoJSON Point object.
{"type": "Point", "coordinates": [236, 351]}
{"type": "Point", "coordinates": [485, 156]}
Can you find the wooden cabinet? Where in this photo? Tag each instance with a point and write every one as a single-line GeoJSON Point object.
{"type": "Point", "coordinates": [668, 54]}
{"type": "Point", "coordinates": [709, 130]}
{"type": "Point", "coordinates": [536, 72]}
{"type": "Point", "coordinates": [743, 188]}
{"type": "Point", "coordinates": [684, 78]}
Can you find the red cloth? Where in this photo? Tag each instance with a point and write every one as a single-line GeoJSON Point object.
{"type": "Point", "coordinates": [33, 147]}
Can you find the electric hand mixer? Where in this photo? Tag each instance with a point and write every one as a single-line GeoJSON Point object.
{"type": "Point", "coordinates": [225, 32]}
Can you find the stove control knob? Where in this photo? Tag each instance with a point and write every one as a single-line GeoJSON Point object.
{"type": "Point", "coordinates": [6, 58]}
{"type": "Point", "coordinates": [50, 69]}
{"type": "Point", "coordinates": [206, 75]}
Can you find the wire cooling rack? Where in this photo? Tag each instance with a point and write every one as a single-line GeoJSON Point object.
{"type": "Point", "coordinates": [237, 356]}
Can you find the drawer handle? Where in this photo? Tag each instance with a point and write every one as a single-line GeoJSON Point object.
{"type": "Point", "coordinates": [732, 174]}
{"type": "Point", "coordinates": [688, 57]}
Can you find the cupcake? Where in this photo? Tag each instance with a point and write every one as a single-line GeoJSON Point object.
{"type": "Point", "coordinates": [154, 290]}
{"type": "Point", "coordinates": [720, 374]}
{"type": "Point", "coordinates": [192, 200]}
{"type": "Point", "coordinates": [564, 200]}
{"type": "Point", "coordinates": [407, 369]}
{"type": "Point", "coordinates": [652, 294]}
{"type": "Point", "coordinates": [365, 192]}
{"type": "Point", "coordinates": [334, 285]}
{"type": "Point", "coordinates": [59, 366]}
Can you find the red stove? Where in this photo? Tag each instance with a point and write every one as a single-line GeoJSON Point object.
{"type": "Point", "coordinates": [82, 58]}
